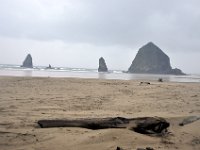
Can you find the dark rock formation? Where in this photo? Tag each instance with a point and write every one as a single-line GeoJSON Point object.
{"type": "Point", "coordinates": [151, 59]}
{"type": "Point", "coordinates": [176, 71]}
{"type": "Point", "coordinates": [49, 67]}
{"type": "Point", "coordinates": [102, 65]}
{"type": "Point", "coordinates": [28, 62]}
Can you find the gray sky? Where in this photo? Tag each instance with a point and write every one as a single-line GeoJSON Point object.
{"type": "Point", "coordinates": [75, 33]}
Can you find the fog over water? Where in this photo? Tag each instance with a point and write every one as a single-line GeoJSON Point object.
{"type": "Point", "coordinates": [76, 33]}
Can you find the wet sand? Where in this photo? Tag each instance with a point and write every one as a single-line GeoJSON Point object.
{"type": "Point", "coordinates": [25, 100]}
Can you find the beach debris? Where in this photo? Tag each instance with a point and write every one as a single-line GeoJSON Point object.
{"type": "Point", "coordinates": [151, 125]}
{"type": "Point", "coordinates": [119, 148]}
{"type": "Point", "coordinates": [189, 120]}
{"type": "Point", "coordinates": [195, 141]}
{"type": "Point", "coordinates": [146, 83]}
{"type": "Point", "coordinates": [147, 148]}
{"type": "Point", "coordinates": [160, 80]}
{"type": "Point", "coordinates": [143, 125]}
{"type": "Point", "coordinates": [102, 65]}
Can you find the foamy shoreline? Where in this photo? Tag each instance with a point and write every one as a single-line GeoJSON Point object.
{"type": "Point", "coordinates": [88, 74]}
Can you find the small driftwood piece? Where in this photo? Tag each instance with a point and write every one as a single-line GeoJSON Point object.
{"type": "Point", "coordinates": [145, 83]}
{"type": "Point", "coordinates": [189, 120]}
{"type": "Point", "coordinates": [160, 80]}
{"type": "Point", "coordinates": [145, 125]}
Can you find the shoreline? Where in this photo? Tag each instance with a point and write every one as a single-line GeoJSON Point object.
{"type": "Point", "coordinates": [96, 75]}
{"type": "Point", "coordinates": [99, 79]}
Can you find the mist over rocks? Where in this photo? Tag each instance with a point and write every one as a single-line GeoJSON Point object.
{"type": "Point", "coordinates": [102, 65]}
{"type": "Point", "coordinates": [27, 63]}
{"type": "Point", "coordinates": [150, 59]}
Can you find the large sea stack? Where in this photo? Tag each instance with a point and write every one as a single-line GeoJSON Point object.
{"type": "Point", "coordinates": [150, 59]}
{"type": "Point", "coordinates": [28, 62]}
{"type": "Point", "coordinates": [102, 65]}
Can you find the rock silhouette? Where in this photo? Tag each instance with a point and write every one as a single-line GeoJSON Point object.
{"type": "Point", "coordinates": [151, 59]}
{"type": "Point", "coordinates": [49, 67]}
{"type": "Point", "coordinates": [102, 65]}
{"type": "Point", "coordinates": [27, 63]}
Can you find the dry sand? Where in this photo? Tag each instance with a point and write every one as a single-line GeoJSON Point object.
{"type": "Point", "coordinates": [23, 101]}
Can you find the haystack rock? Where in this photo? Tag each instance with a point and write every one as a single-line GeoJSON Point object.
{"type": "Point", "coordinates": [28, 62]}
{"type": "Point", "coordinates": [102, 65]}
{"type": "Point", "coordinates": [150, 59]}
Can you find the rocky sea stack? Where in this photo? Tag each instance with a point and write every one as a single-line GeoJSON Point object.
{"type": "Point", "coordinates": [150, 59]}
{"type": "Point", "coordinates": [102, 65]}
{"type": "Point", "coordinates": [49, 67]}
{"type": "Point", "coordinates": [28, 62]}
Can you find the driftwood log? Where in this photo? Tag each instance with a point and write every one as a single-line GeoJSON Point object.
{"type": "Point", "coordinates": [144, 125]}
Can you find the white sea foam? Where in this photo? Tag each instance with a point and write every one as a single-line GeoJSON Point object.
{"type": "Point", "coordinates": [41, 71]}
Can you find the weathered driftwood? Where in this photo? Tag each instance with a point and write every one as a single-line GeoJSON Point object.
{"type": "Point", "coordinates": [189, 120]}
{"type": "Point", "coordinates": [145, 125]}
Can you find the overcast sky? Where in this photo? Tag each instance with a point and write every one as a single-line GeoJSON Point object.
{"type": "Point", "coordinates": [75, 33]}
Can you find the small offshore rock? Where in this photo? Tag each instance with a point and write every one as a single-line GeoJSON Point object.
{"type": "Point", "coordinates": [102, 65]}
{"type": "Point", "coordinates": [49, 67]}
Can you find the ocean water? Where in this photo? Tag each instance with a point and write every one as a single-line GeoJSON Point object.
{"type": "Point", "coordinates": [40, 71]}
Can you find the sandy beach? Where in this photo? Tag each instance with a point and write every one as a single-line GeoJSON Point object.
{"type": "Point", "coordinates": [25, 100]}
